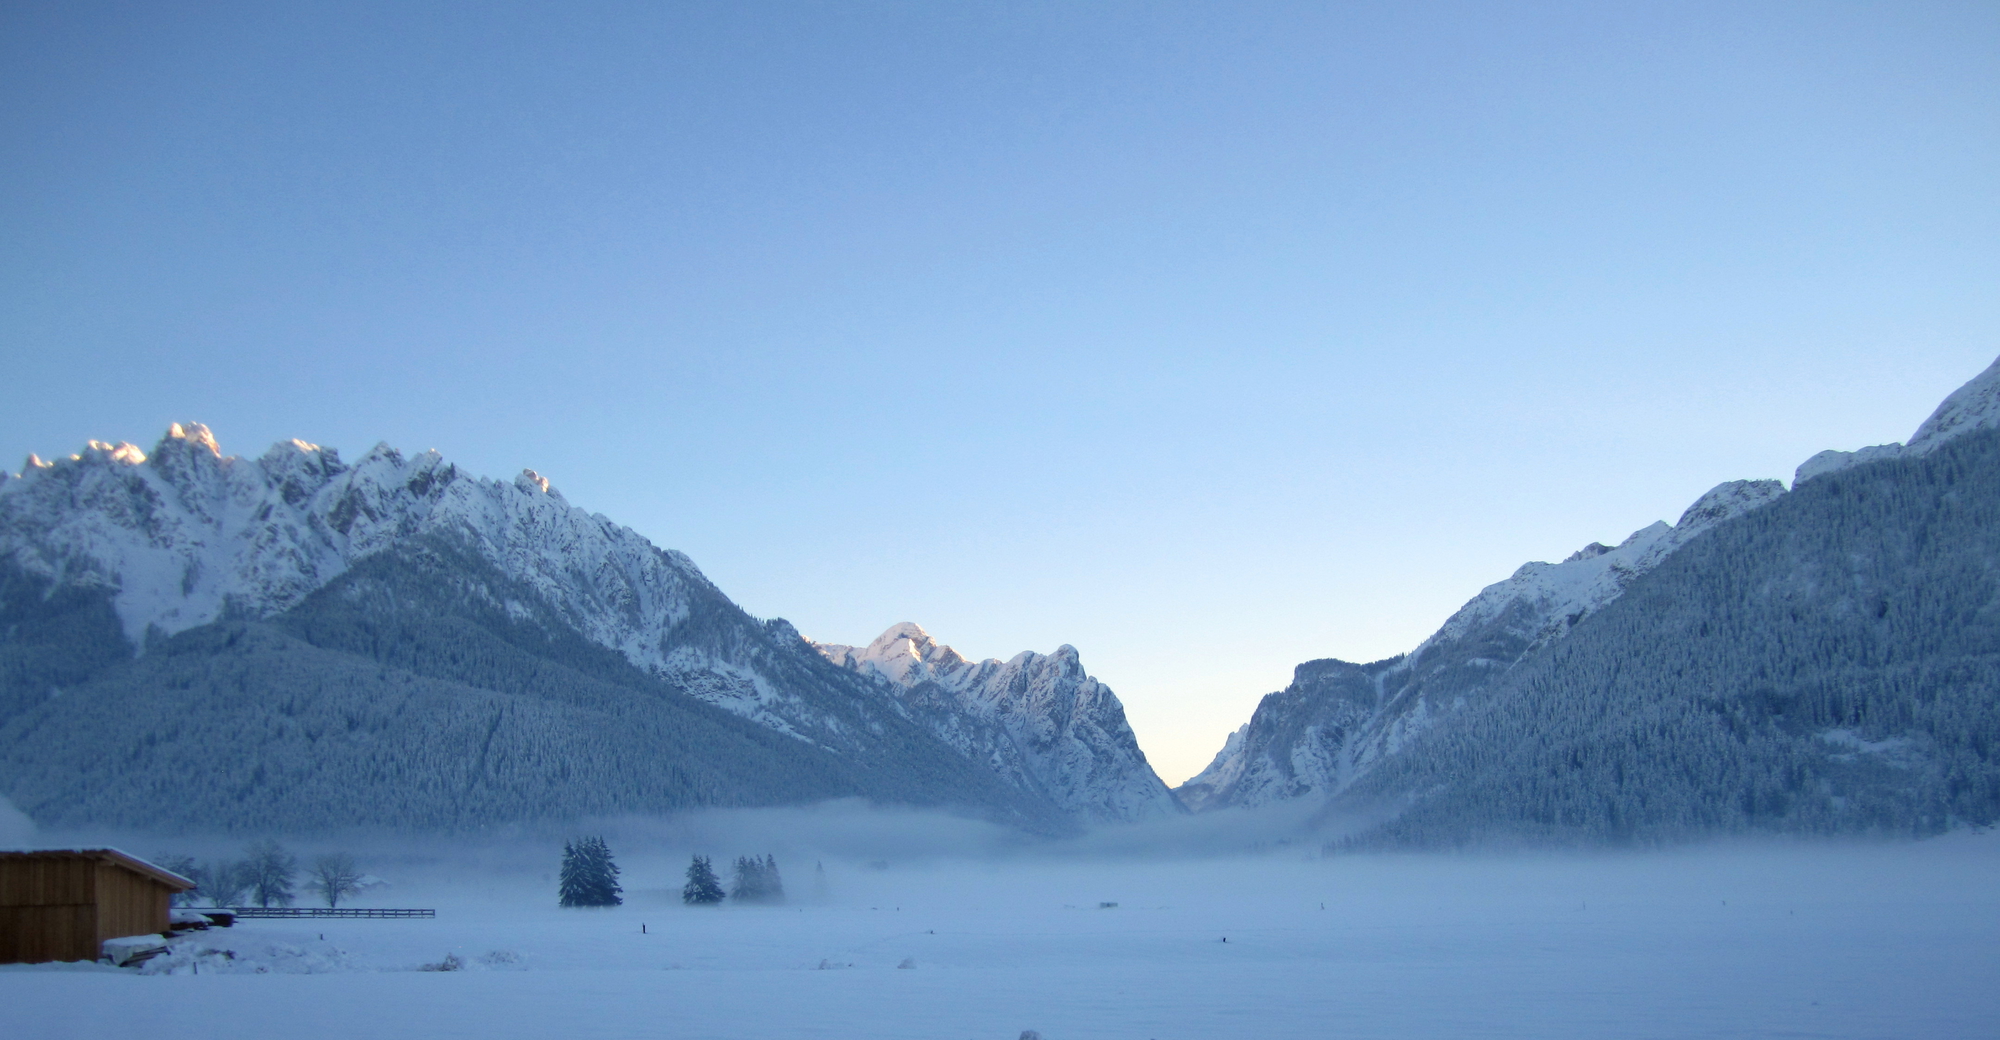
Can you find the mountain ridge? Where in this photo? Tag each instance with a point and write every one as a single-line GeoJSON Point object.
{"type": "Point", "coordinates": [315, 555]}
{"type": "Point", "coordinates": [1338, 721]}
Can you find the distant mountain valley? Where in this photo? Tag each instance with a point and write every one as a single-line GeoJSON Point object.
{"type": "Point", "coordinates": [300, 643]}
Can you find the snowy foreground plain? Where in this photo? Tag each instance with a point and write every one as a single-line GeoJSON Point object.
{"type": "Point", "coordinates": [1888, 940]}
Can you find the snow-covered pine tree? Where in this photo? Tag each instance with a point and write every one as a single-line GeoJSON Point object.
{"type": "Point", "coordinates": [703, 887]}
{"type": "Point", "coordinates": [589, 877]}
{"type": "Point", "coordinates": [774, 886]}
{"type": "Point", "coordinates": [605, 873]}
{"type": "Point", "coordinates": [570, 887]}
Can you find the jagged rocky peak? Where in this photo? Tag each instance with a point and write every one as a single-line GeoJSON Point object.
{"type": "Point", "coordinates": [1588, 552]}
{"type": "Point", "coordinates": [1040, 720]}
{"type": "Point", "coordinates": [529, 480]}
{"type": "Point", "coordinates": [1727, 501]}
{"type": "Point", "coordinates": [186, 533]}
{"type": "Point", "coordinates": [905, 655]}
{"type": "Point", "coordinates": [195, 435]}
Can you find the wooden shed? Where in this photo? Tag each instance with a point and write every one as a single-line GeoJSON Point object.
{"type": "Point", "coordinates": [61, 904]}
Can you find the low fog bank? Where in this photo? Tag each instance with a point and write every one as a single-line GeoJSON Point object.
{"type": "Point", "coordinates": [911, 926]}
{"type": "Point", "coordinates": [849, 850]}
{"type": "Point", "coordinates": [852, 829]}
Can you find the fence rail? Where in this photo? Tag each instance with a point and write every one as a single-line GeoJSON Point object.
{"type": "Point", "coordinates": [245, 912]}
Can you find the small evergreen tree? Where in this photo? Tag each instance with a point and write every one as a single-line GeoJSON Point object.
{"type": "Point", "coordinates": [570, 885]}
{"type": "Point", "coordinates": [743, 882]}
{"type": "Point", "coordinates": [703, 887]}
{"type": "Point", "coordinates": [774, 886]}
{"type": "Point", "coordinates": [589, 877]}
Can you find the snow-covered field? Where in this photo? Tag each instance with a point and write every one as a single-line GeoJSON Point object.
{"type": "Point", "coordinates": [1894, 940]}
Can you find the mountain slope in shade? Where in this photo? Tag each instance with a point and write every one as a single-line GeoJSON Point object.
{"type": "Point", "coordinates": [141, 591]}
{"type": "Point", "coordinates": [1391, 732]}
{"type": "Point", "coordinates": [1337, 719]}
{"type": "Point", "coordinates": [1823, 665]}
{"type": "Point", "coordinates": [1036, 719]}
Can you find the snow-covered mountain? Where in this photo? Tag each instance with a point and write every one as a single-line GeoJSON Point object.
{"type": "Point", "coordinates": [187, 536]}
{"type": "Point", "coordinates": [117, 565]}
{"type": "Point", "coordinates": [1036, 719]}
{"type": "Point", "coordinates": [1338, 721]}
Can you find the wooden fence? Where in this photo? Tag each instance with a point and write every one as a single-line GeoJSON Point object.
{"type": "Point", "coordinates": [246, 912]}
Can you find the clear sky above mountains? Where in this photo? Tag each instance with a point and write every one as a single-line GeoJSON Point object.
{"type": "Point", "coordinates": [1208, 338]}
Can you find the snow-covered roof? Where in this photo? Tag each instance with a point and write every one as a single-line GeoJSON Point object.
{"type": "Point", "coordinates": [118, 856]}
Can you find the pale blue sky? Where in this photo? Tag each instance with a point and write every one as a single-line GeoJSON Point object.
{"type": "Point", "coordinates": [1209, 338]}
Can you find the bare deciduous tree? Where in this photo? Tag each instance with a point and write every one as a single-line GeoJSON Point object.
{"type": "Point", "coordinates": [223, 882]}
{"type": "Point", "coordinates": [268, 873]}
{"type": "Point", "coordinates": [334, 876]}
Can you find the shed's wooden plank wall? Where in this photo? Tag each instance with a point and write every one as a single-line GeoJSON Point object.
{"type": "Point", "coordinates": [48, 910]}
{"type": "Point", "coordinates": [33, 934]}
{"type": "Point", "coordinates": [51, 881]}
{"type": "Point", "coordinates": [128, 903]}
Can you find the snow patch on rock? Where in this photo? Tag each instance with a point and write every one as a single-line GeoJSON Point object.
{"type": "Point", "coordinates": [1974, 406]}
{"type": "Point", "coordinates": [1558, 595]}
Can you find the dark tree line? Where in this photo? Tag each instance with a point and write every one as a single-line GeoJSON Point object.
{"type": "Point", "coordinates": [757, 881]}
{"type": "Point", "coordinates": [753, 880]}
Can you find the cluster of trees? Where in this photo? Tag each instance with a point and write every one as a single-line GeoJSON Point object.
{"type": "Point", "coordinates": [589, 877]}
{"type": "Point", "coordinates": [757, 881]}
{"type": "Point", "coordinates": [754, 880]}
{"type": "Point", "coordinates": [264, 876]}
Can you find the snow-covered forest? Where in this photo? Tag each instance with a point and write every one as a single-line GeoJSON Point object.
{"type": "Point", "coordinates": [1826, 664]}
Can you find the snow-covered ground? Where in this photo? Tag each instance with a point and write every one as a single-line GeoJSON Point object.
{"type": "Point", "coordinates": [1894, 940]}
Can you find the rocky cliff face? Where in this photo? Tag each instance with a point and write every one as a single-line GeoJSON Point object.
{"type": "Point", "coordinates": [1036, 719]}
